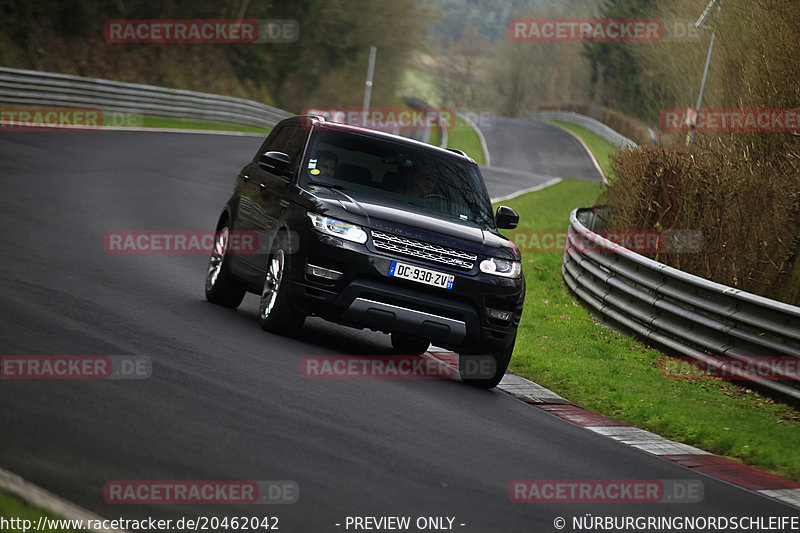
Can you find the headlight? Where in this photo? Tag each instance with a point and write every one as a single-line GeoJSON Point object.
{"type": "Point", "coordinates": [501, 267]}
{"type": "Point", "coordinates": [337, 228]}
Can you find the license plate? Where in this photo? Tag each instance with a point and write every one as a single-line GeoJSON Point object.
{"type": "Point", "coordinates": [421, 275]}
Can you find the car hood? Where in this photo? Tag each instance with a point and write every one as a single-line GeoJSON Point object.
{"type": "Point", "coordinates": [421, 225]}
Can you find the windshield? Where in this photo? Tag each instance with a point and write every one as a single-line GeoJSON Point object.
{"type": "Point", "coordinates": [398, 175]}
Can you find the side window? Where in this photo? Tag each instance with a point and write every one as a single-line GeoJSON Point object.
{"type": "Point", "coordinates": [294, 148]}
{"type": "Point", "coordinates": [275, 141]}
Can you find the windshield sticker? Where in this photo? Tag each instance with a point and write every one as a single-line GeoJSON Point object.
{"type": "Point", "coordinates": [312, 163]}
{"type": "Point", "coordinates": [315, 171]}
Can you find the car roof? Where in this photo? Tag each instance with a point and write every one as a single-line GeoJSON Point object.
{"type": "Point", "coordinates": [319, 123]}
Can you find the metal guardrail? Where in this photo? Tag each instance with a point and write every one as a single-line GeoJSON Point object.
{"type": "Point", "coordinates": [722, 328]}
{"type": "Point", "coordinates": [34, 88]}
{"type": "Point", "coordinates": [588, 123]}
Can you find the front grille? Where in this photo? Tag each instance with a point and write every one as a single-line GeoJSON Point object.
{"type": "Point", "coordinates": [423, 250]}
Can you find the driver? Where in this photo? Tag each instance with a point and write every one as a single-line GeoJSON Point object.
{"type": "Point", "coordinates": [422, 185]}
{"type": "Point", "coordinates": [327, 162]}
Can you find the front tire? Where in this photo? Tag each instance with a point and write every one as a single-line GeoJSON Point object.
{"type": "Point", "coordinates": [275, 311]}
{"type": "Point", "coordinates": [221, 287]}
{"type": "Point", "coordinates": [484, 371]}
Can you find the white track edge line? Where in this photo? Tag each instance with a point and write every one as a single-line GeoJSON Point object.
{"type": "Point", "coordinates": [486, 157]}
{"type": "Point", "coordinates": [47, 501]}
{"type": "Point", "coordinates": [535, 188]}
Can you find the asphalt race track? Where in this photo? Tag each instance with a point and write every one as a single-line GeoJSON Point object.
{"type": "Point", "coordinates": [227, 401]}
{"type": "Point", "coordinates": [525, 154]}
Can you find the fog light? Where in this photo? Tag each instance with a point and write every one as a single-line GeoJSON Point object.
{"type": "Point", "coordinates": [499, 314]}
{"type": "Point", "coordinates": [324, 273]}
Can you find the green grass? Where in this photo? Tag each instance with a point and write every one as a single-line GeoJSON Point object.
{"type": "Point", "coordinates": [13, 507]}
{"type": "Point", "coordinates": [175, 123]}
{"type": "Point", "coordinates": [601, 148]}
{"type": "Point", "coordinates": [560, 346]}
{"type": "Point", "coordinates": [420, 84]}
{"type": "Point", "coordinates": [463, 137]}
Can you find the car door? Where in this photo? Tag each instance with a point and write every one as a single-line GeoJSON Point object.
{"type": "Point", "coordinates": [269, 189]}
{"type": "Point", "coordinates": [257, 201]}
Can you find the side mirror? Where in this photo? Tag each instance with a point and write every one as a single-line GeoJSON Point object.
{"type": "Point", "coordinates": [275, 162]}
{"type": "Point", "coordinates": [506, 218]}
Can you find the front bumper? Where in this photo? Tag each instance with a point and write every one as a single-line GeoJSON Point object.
{"type": "Point", "coordinates": [365, 296]}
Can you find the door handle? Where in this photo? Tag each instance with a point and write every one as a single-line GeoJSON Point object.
{"type": "Point", "coordinates": [262, 186]}
{"type": "Point", "coordinates": [245, 177]}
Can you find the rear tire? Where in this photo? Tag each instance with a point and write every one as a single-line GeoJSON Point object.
{"type": "Point", "coordinates": [275, 310]}
{"type": "Point", "coordinates": [221, 287]}
{"type": "Point", "coordinates": [485, 371]}
{"type": "Point", "coordinates": [409, 345]}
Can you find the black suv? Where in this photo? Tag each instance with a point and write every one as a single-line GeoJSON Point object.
{"type": "Point", "coordinates": [372, 230]}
